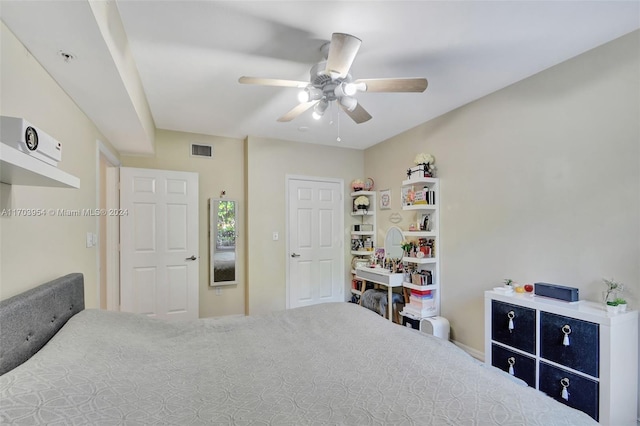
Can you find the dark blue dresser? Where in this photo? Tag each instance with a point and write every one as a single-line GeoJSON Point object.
{"type": "Point", "coordinates": [576, 353]}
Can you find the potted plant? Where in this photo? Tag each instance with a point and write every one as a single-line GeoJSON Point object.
{"type": "Point", "coordinates": [508, 283]}
{"type": "Point", "coordinates": [612, 290]}
{"type": "Point", "coordinates": [406, 247]}
{"type": "Point", "coordinates": [622, 304]}
{"type": "Point", "coordinates": [612, 306]}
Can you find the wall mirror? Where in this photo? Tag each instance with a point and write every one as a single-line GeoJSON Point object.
{"type": "Point", "coordinates": [393, 243]}
{"type": "Point", "coordinates": [222, 241]}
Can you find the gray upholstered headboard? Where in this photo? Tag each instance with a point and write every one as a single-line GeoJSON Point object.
{"type": "Point", "coordinates": [30, 319]}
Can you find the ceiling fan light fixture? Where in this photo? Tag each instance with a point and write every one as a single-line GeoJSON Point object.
{"type": "Point", "coordinates": [309, 94]}
{"type": "Point", "coordinates": [348, 102]}
{"type": "Point", "coordinates": [330, 80]}
{"type": "Point", "coordinates": [349, 89]}
{"type": "Point", "coordinates": [359, 86]}
{"type": "Point", "coordinates": [319, 109]}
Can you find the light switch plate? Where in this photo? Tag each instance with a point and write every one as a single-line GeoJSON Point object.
{"type": "Point", "coordinates": [92, 240]}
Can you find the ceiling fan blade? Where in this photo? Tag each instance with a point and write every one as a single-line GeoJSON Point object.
{"type": "Point", "coordinates": [297, 110]}
{"type": "Point", "coordinates": [394, 84]}
{"type": "Point", "coordinates": [273, 82]}
{"type": "Point", "coordinates": [342, 52]}
{"type": "Point", "coordinates": [359, 114]}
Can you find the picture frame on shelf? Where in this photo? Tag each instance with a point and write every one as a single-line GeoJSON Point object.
{"type": "Point", "coordinates": [385, 199]}
{"type": "Point", "coordinates": [425, 222]}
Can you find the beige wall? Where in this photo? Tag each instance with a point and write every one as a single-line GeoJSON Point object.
{"type": "Point", "coordinates": [268, 162]}
{"type": "Point", "coordinates": [539, 182]}
{"type": "Point", "coordinates": [224, 171]}
{"type": "Point", "coordinates": [36, 249]}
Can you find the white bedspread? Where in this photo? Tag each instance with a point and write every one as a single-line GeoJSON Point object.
{"type": "Point", "coordinates": [335, 364]}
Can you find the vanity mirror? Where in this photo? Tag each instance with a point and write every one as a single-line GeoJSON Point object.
{"type": "Point", "coordinates": [393, 243]}
{"type": "Point", "coordinates": [222, 241]}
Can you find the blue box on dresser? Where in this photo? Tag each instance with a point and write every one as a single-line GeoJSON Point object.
{"type": "Point", "coordinates": [575, 352]}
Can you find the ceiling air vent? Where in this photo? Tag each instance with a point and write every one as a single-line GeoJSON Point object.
{"type": "Point", "coordinates": [198, 150]}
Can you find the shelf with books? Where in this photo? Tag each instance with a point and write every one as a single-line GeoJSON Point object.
{"type": "Point", "coordinates": [412, 286]}
{"type": "Point", "coordinates": [423, 301]}
{"type": "Point", "coordinates": [421, 195]}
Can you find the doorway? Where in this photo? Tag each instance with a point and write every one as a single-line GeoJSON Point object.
{"type": "Point", "coordinates": [159, 243]}
{"type": "Point", "coordinates": [108, 229]}
{"type": "Point", "coordinates": [315, 241]}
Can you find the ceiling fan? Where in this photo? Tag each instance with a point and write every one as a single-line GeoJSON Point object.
{"type": "Point", "coordinates": [330, 81]}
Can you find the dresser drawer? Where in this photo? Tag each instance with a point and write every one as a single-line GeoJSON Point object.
{"type": "Point", "coordinates": [583, 392]}
{"type": "Point", "coordinates": [524, 367]}
{"type": "Point", "coordinates": [582, 353]}
{"type": "Point", "coordinates": [523, 334]}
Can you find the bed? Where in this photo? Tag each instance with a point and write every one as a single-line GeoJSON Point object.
{"type": "Point", "coordinates": [335, 363]}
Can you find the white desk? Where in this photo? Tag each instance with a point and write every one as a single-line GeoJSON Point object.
{"type": "Point", "coordinates": [384, 277]}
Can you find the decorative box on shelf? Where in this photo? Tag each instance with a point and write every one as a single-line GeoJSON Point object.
{"type": "Point", "coordinates": [418, 172]}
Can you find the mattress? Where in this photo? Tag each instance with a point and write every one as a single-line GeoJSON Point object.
{"type": "Point", "coordinates": [332, 363]}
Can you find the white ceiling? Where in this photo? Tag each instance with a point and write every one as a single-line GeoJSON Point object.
{"type": "Point", "coordinates": [189, 55]}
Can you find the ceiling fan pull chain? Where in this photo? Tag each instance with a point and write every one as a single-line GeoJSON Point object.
{"type": "Point", "coordinates": [338, 112]}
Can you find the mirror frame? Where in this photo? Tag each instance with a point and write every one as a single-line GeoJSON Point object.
{"type": "Point", "coordinates": [386, 236]}
{"type": "Point", "coordinates": [213, 238]}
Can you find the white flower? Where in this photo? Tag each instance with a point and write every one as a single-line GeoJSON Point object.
{"type": "Point", "coordinates": [362, 201]}
{"type": "Point", "coordinates": [423, 158]}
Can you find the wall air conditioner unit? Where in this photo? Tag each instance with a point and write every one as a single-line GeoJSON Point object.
{"type": "Point", "coordinates": [18, 133]}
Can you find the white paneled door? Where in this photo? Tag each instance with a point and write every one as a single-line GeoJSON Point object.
{"type": "Point", "coordinates": [315, 241]}
{"type": "Point", "coordinates": [159, 243]}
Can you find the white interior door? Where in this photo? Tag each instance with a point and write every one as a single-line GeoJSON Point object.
{"type": "Point", "coordinates": [315, 242]}
{"type": "Point", "coordinates": [159, 243]}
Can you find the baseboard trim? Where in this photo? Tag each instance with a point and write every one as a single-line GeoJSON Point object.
{"type": "Point", "coordinates": [468, 349]}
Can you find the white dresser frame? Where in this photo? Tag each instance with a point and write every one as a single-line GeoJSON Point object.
{"type": "Point", "coordinates": [618, 366]}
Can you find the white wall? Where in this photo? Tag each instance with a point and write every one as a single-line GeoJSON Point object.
{"type": "Point", "coordinates": [37, 249]}
{"type": "Point", "coordinates": [540, 181]}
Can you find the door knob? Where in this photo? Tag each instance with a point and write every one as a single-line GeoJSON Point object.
{"type": "Point", "coordinates": [295, 255]}
{"type": "Point", "coordinates": [191, 258]}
